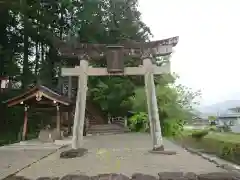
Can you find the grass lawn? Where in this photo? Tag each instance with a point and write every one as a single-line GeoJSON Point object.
{"type": "Point", "coordinates": [225, 145]}
{"type": "Point", "coordinates": [221, 136]}
{"type": "Point", "coordinates": [226, 137]}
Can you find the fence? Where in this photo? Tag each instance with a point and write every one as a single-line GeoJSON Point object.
{"type": "Point", "coordinates": [122, 121]}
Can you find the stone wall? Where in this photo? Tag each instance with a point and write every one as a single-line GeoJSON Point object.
{"type": "Point", "coordinates": [139, 176]}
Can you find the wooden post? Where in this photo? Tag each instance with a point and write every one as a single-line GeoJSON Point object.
{"type": "Point", "coordinates": [24, 133]}
{"type": "Point", "coordinates": [58, 125]}
{"type": "Point", "coordinates": [79, 117]}
{"type": "Point", "coordinates": [125, 121]}
{"type": "Point", "coordinates": [70, 87]}
{"type": "Point", "coordinates": [70, 97]}
{"type": "Point", "coordinates": [152, 106]}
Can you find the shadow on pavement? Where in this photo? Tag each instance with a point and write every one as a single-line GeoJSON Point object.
{"type": "Point", "coordinates": [139, 176]}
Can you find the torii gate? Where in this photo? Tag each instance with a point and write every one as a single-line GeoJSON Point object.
{"type": "Point", "coordinates": [115, 66]}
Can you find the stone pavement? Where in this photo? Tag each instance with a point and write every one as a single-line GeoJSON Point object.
{"type": "Point", "coordinates": [124, 153]}
{"type": "Point", "coordinates": [17, 156]}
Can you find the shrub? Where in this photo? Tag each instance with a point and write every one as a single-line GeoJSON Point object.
{"type": "Point", "coordinates": [139, 122]}
{"type": "Point", "coordinates": [213, 128]}
{"type": "Point", "coordinates": [213, 123]}
{"type": "Point", "coordinates": [172, 127]}
{"type": "Point", "coordinates": [199, 134]}
{"type": "Point", "coordinates": [229, 151]}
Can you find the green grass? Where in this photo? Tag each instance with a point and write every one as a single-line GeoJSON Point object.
{"type": "Point", "coordinates": [226, 145]}
{"type": "Point", "coordinates": [221, 136]}
{"type": "Point", "coordinates": [226, 137]}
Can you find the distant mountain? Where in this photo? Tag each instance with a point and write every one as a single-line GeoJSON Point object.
{"type": "Point", "coordinates": [219, 108]}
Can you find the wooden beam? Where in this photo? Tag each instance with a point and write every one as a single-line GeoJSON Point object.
{"type": "Point", "coordinates": [128, 71]}
{"type": "Point", "coordinates": [161, 50]}
{"type": "Point", "coordinates": [57, 100]}
{"type": "Point", "coordinates": [20, 100]}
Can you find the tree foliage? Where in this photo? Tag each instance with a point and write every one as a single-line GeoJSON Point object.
{"type": "Point", "coordinates": [28, 55]}
{"type": "Point", "coordinates": [175, 103]}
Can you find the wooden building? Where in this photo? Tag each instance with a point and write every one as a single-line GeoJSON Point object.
{"type": "Point", "coordinates": [41, 98]}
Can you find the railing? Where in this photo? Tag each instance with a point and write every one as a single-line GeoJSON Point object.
{"type": "Point", "coordinates": [122, 121]}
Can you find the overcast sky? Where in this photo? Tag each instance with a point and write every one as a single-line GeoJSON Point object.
{"type": "Point", "coordinates": [207, 56]}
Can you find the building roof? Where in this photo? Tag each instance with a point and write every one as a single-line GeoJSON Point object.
{"type": "Point", "coordinates": [30, 97]}
{"type": "Point", "coordinates": [229, 115]}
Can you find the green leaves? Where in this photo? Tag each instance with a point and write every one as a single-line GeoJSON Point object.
{"type": "Point", "coordinates": [212, 118]}
{"type": "Point", "coordinates": [112, 93]}
{"type": "Point", "coordinates": [139, 122]}
{"type": "Point", "coordinates": [174, 103]}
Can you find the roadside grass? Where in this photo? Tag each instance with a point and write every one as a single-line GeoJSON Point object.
{"type": "Point", "coordinates": [226, 137]}
{"type": "Point", "coordinates": [225, 145]}
{"type": "Point", "coordinates": [220, 136]}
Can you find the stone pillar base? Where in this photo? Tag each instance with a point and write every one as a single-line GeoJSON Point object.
{"type": "Point", "coordinates": [161, 150]}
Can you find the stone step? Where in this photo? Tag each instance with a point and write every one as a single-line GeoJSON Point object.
{"type": "Point", "coordinates": [105, 132]}
{"type": "Point", "coordinates": [102, 126]}
{"type": "Point", "coordinates": [94, 122]}
{"type": "Point", "coordinates": [107, 128]}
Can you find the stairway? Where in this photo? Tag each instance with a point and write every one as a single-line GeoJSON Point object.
{"type": "Point", "coordinates": [106, 129]}
{"type": "Point", "coordinates": [92, 120]}
{"type": "Point", "coordinates": [95, 122]}
{"type": "Point", "coordinates": [95, 116]}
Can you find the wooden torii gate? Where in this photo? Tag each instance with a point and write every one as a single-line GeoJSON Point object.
{"type": "Point", "coordinates": [146, 51]}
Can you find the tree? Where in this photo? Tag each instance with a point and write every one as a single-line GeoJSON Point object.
{"type": "Point", "coordinates": [27, 53]}
{"type": "Point", "coordinates": [212, 118]}
{"type": "Point", "coordinates": [175, 103]}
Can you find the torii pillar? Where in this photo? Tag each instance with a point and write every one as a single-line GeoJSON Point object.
{"type": "Point", "coordinates": [79, 116]}
{"type": "Point", "coordinates": [152, 105]}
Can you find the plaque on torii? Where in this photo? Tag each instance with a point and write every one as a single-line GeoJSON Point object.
{"type": "Point", "coordinates": [114, 54]}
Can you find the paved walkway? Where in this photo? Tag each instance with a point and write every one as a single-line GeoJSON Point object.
{"type": "Point", "coordinates": [17, 156]}
{"type": "Point", "coordinates": [126, 153]}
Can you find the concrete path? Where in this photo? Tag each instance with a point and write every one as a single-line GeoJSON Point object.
{"type": "Point", "coordinates": [126, 153]}
{"type": "Point", "coordinates": [17, 156]}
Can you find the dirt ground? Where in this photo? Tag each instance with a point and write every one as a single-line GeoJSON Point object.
{"type": "Point", "coordinates": [124, 153]}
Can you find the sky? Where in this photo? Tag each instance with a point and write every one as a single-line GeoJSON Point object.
{"type": "Point", "coordinates": [207, 57]}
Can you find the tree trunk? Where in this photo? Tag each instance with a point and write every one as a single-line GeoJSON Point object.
{"type": "Point", "coordinates": [36, 60]}
{"type": "Point", "coordinates": [26, 68]}
{"type": "Point", "coordinates": [3, 39]}
{"type": "Point", "coordinates": [42, 53]}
